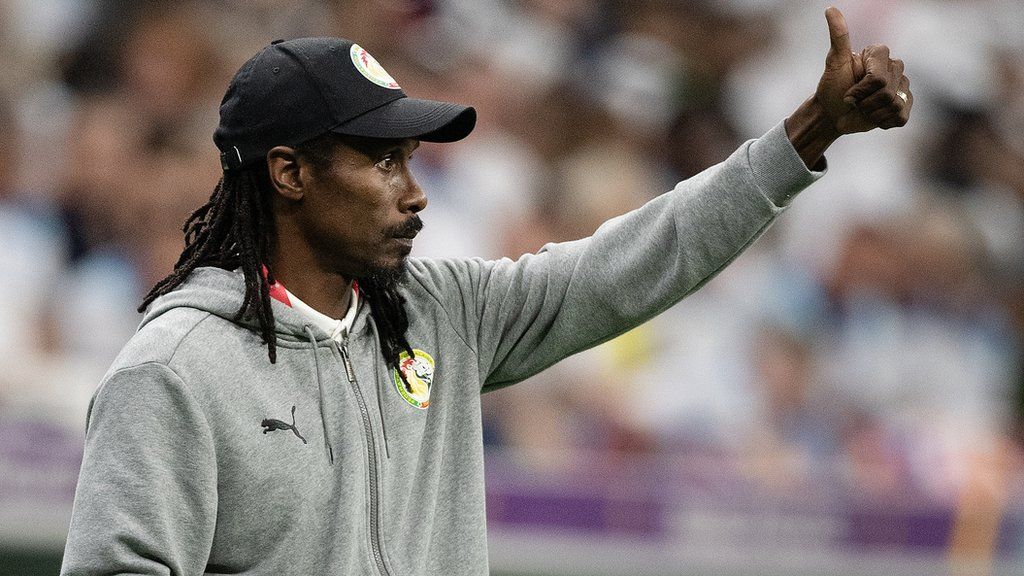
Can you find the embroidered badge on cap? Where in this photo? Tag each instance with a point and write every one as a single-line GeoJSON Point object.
{"type": "Point", "coordinates": [369, 67]}
{"type": "Point", "coordinates": [419, 373]}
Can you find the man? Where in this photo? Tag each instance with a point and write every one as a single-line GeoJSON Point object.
{"type": "Point", "coordinates": [351, 444]}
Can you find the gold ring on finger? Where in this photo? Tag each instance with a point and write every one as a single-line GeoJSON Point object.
{"type": "Point", "coordinates": [902, 95]}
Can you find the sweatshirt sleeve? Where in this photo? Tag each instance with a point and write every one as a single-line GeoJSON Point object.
{"type": "Point", "coordinates": [523, 316]}
{"type": "Point", "coordinates": [146, 497]}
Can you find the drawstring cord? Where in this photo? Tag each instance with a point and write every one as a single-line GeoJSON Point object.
{"type": "Point", "coordinates": [383, 429]}
{"type": "Point", "coordinates": [381, 390]}
{"type": "Point", "coordinates": [320, 386]}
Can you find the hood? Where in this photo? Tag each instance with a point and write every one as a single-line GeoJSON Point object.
{"type": "Point", "coordinates": [220, 292]}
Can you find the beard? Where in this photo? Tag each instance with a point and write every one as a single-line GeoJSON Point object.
{"type": "Point", "coordinates": [387, 277]}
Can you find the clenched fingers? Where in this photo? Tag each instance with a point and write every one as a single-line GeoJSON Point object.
{"type": "Point", "coordinates": [883, 95]}
{"type": "Point", "coordinates": [878, 73]}
{"type": "Point", "coordinates": [889, 109]}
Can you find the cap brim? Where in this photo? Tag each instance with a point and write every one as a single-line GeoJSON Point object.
{"type": "Point", "coordinates": [425, 120]}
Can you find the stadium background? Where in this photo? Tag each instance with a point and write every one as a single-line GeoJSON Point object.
{"type": "Point", "coordinates": [845, 398]}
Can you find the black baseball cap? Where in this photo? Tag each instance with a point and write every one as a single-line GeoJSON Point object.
{"type": "Point", "coordinates": [295, 90]}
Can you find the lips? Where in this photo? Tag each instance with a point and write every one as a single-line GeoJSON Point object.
{"type": "Point", "coordinates": [408, 230]}
{"type": "Point", "coordinates": [404, 240]}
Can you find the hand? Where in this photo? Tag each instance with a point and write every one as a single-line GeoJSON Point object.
{"type": "Point", "coordinates": [860, 92]}
{"type": "Point", "coordinates": [856, 93]}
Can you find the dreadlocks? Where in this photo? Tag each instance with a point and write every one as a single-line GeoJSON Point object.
{"type": "Point", "coordinates": [235, 229]}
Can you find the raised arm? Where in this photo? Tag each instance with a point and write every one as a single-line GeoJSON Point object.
{"type": "Point", "coordinates": [525, 315]}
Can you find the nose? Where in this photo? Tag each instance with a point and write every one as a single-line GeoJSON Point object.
{"type": "Point", "coordinates": [414, 199]}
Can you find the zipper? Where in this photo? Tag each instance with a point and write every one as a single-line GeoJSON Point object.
{"type": "Point", "coordinates": [372, 456]}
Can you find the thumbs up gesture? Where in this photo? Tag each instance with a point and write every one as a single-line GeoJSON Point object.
{"type": "Point", "coordinates": [861, 91]}
{"type": "Point", "coordinates": [856, 93]}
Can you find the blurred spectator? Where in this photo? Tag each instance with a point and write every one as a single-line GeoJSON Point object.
{"type": "Point", "coordinates": [799, 422]}
{"type": "Point", "coordinates": [918, 340]}
{"type": "Point", "coordinates": [33, 252]}
{"type": "Point", "coordinates": [976, 160]}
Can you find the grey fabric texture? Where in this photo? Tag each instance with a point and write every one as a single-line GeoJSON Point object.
{"type": "Point", "coordinates": [180, 478]}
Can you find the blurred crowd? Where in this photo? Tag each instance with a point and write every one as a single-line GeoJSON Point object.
{"type": "Point", "coordinates": [874, 333]}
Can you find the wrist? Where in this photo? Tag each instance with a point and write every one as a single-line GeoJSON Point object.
{"type": "Point", "coordinates": [811, 131]}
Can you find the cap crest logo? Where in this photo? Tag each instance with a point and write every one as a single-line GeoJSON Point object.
{"type": "Point", "coordinates": [371, 69]}
{"type": "Point", "coordinates": [419, 373]}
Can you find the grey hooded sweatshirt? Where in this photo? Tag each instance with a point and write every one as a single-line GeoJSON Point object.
{"type": "Point", "coordinates": [202, 457]}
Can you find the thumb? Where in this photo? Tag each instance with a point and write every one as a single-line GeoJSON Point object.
{"type": "Point", "coordinates": [838, 33]}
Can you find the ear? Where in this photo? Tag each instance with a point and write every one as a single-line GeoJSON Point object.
{"type": "Point", "coordinates": [285, 172]}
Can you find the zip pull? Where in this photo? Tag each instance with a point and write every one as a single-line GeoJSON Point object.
{"type": "Point", "coordinates": [347, 361]}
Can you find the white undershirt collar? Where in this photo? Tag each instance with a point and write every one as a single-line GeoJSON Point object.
{"type": "Point", "coordinates": [336, 328]}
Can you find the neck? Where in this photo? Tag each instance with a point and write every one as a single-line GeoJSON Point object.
{"type": "Point", "coordinates": [326, 292]}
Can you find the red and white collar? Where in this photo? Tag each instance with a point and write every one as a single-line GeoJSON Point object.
{"type": "Point", "coordinates": [337, 328]}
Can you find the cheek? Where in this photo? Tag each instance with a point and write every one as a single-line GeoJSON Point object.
{"type": "Point", "coordinates": [350, 220]}
{"type": "Point", "coordinates": [326, 230]}
{"type": "Point", "coordinates": [351, 231]}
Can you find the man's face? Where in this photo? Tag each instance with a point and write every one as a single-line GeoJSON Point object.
{"type": "Point", "coordinates": [359, 212]}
